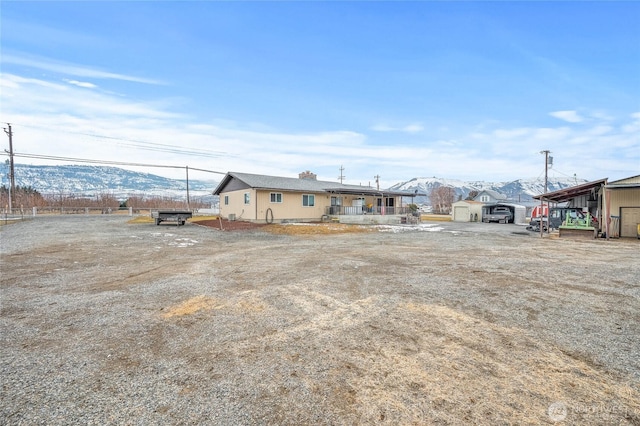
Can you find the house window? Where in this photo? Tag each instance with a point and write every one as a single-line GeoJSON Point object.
{"type": "Point", "coordinates": [226, 200]}
{"type": "Point", "coordinates": [247, 199]}
{"type": "Point", "coordinates": [484, 198]}
{"type": "Point", "coordinates": [276, 197]}
{"type": "Point", "coordinates": [308, 200]}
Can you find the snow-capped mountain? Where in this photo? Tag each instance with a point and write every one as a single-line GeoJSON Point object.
{"type": "Point", "coordinates": [81, 180]}
{"type": "Point", "coordinates": [520, 190]}
{"type": "Point", "coordinates": [85, 180]}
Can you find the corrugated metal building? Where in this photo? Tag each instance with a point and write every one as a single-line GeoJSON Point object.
{"type": "Point", "coordinates": [615, 204]}
{"type": "Point", "coordinates": [623, 200]}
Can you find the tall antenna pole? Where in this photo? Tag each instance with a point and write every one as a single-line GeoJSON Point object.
{"type": "Point", "coordinates": [546, 171]}
{"type": "Point", "coordinates": [12, 179]}
{"type": "Point", "coordinates": [342, 176]}
{"type": "Point", "coordinates": [377, 181]}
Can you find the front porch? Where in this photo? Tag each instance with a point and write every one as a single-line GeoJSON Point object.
{"type": "Point", "coordinates": [367, 210]}
{"type": "Point", "coordinates": [363, 215]}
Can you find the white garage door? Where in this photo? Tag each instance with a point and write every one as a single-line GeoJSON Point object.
{"type": "Point", "coordinates": [629, 220]}
{"type": "Point", "coordinates": [461, 214]}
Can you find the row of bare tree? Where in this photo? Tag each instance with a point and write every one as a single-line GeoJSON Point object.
{"type": "Point", "coordinates": [27, 197]}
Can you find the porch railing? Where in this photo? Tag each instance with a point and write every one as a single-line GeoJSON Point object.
{"type": "Point", "coordinates": [358, 210]}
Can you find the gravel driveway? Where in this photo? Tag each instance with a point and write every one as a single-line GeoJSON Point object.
{"type": "Point", "coordinates": [108, 322]}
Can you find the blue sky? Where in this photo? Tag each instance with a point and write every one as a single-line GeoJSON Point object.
{"type": "Point", "coordinates": [465, 90]}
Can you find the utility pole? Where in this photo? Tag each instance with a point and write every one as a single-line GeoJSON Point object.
{"type": "Point", "coordinates": [377, 181]}
{"type": "Point", "coordinates": [342, 176]}
{"type": "Point", "coordinates": [12, 181]}
{"type": "Point", "coordinates": [187, 169]}
{"type": "Point", "coordinates": [546, 171]}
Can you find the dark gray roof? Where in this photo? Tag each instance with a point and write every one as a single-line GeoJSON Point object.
{"type": "Point", "coordinates": [301, 185]}
{"type": "Point", "coordinates": [282, 183]}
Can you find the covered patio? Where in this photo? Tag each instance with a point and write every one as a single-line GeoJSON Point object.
{"type": "Point", "coordinates": [369, 201]}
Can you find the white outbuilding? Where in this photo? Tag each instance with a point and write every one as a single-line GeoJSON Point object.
{"type": "Point", "coordinates": [466, 211]}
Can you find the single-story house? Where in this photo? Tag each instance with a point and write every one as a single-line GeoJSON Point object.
{"type": "Point", "coordinates": [466, 211]}
{"type": "Point", "coordinates": [616, 204]}
{"type": "Point", "coordinates": [268, 199]}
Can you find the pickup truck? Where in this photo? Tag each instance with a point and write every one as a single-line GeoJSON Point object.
{"type": "Point", "coordinates": [498, 214]}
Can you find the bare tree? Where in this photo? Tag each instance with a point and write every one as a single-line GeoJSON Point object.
{"type": "Point", "coordinates": [442, 198]}
{"type": "Point", "coordinates": [24, 197]}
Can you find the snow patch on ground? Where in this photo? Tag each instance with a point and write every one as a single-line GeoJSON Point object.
{"type": "Point", "coordinates": [422, 227]}
{"type": "Point", "coordinates": [183, 242]}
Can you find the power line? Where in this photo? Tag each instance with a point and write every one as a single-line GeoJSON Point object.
{"type": "Point", "coordinates": [144, 145]}
{"type": "Point", "coordinates": [107, 162]}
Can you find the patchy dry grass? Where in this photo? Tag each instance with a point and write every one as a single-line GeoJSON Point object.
{"type": "Point", "coordinates": [203, 218]}
{"type": "Point", "coordinates": [191, 306]}
{"type": "Point", "coordinates": [204, 303]}
{"type": "Point", "coordinates": [141, 219]}
{"type": "Point", "coordinates": [317, 229]}
{"type": "Point", "coordinates": [436, 217]}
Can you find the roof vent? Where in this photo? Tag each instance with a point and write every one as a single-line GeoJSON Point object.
{"type": "Point", "coordinates": [308, 175]}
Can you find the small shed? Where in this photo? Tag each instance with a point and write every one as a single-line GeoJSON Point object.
{"type": "Point", "coordinates": [466, 211]}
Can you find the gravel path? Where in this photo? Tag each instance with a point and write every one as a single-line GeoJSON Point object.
{"type": "Point", "coordinates": [106, 322]}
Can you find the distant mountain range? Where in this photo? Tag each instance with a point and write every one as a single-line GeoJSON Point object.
{"type": "Point", "coordinates": [81, 180]}
{"type": "Point", "coordinates": [85, 180]}
{"type": "Point", "coordinates": [520, 190]}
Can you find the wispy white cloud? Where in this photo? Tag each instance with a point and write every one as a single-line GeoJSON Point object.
{"type": "Point", "coordinates": [569, 116]}
{"type": "Point", "coordinates": [71, 69]}
{"type": "Point", "coordinates": [410, 128]}
{"type": "Point", "coordinates": [65, 119]}
{"type": "Point", "coordinates": [634, 126]}
{"type": "Point", "coordinates": [36, 96]}
{"type": "Point", "coordinates": [84, 84]}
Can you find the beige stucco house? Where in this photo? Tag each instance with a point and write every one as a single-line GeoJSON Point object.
{"type": "Point", "coordinates": [262, 198]}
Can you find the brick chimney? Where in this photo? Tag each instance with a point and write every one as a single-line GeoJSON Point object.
{"type": "Point", "coordinates": [307, 175]}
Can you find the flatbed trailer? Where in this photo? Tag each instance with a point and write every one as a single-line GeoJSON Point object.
{"type": "Point", "coordinates": [178, 216]}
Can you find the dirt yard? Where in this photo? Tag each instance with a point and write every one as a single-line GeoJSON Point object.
{"type": "Point", "coordinates": [108, 322]}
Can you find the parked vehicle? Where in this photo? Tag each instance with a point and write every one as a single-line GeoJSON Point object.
{"type": "Point", "coordinates": [177, 216]}
{"type": "Point", "coordinates": [499, 214]}
{"type": "Point", "coordinates": [558, 215]}
{"type": "Point", "coordinates": [534, 224]}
